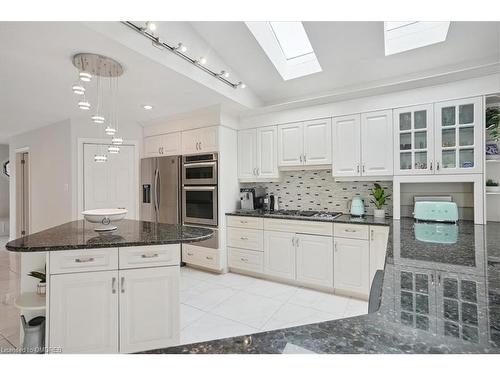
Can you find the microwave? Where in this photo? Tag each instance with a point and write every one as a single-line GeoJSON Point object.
{"type": "Point", "coordinates": [199, 169]}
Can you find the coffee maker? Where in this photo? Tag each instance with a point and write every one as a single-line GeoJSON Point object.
{"type": "Point", "coordinates": [252, 198]}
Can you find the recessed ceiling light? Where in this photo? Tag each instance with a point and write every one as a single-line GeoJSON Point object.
{"type": "Point", "coordinates": [202, 60]}
{"type": "Point", "coordinates": [147, 107]}
{"type": "Point", "coordinates": [151, 26]}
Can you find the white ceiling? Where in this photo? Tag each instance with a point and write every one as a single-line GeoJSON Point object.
{"type": "Point", "coordinates": [351, 55]}
{"type": "Point", "coordinates": [37, 75]}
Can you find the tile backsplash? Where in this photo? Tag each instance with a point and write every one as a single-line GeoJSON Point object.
{"type": "Point", "coordinates": [317, 190]}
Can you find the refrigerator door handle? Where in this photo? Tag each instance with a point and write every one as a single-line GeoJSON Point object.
{"type": "Point", "coordinates": [157, 173]}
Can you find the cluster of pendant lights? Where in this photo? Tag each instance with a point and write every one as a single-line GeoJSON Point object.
{"type": "Point", "coordinates": [108, 125]}
{"type": "Point", "coordinates": [180, 49]}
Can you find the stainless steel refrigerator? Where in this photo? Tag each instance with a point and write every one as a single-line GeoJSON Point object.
{"type": "Point", "coordinates": [160, 189]}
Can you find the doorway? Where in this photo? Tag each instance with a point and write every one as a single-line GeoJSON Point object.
{"type": "Point", "coordinates": [22, 194]}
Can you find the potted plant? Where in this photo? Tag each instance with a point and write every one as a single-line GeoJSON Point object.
{"type": "Point", "coordinates": [492, 186]}
{"type": "Point", "coordinates": [42, 284]}
{"type": "Point", "coordinates": [380, 197]}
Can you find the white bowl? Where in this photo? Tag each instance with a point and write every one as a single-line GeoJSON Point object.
{"type": "Point", "coordinates": [104, 216]}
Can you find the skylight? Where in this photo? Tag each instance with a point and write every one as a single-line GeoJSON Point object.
{"type": "Point", "coordinates": [407, 35]}
{"type": "Point", "coordinates": [287, 46]}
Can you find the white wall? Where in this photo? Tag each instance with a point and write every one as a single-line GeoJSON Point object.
{"type": "Point", "coordinates": [4, 183]}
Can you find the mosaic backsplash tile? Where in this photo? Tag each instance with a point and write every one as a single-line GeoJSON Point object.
{"type": "Point", "coordinates": [318, 191]}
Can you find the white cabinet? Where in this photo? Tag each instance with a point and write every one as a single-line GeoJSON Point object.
{"type": "Point", "coordinates": [351, 266]}
{"type": "Point", "coordinates": [200, 140]}
{"type": "Point", "coordinates": [162, 145]}
{"type": "Point", "coordinates": [459, 136]}
{"type": "Point", "coordinates": [83, 315]}
{"type": "Point", "coordinates": [305, 143]}
{"type": "Point", "coordinates": [444, 138]}
{"type": "Point", "coordinates": [279, 254]}
{"type": "Point", "coordinates": [346, 133]}
{"type": "Point", "coordinates": [315, 260]}
{"type": "Point", "coordinates": [362, 145]}
{"type": "Point", "coordinates": [258, 154]}
{"type": "Point", "coordinates": [376, 144]}
{"type": "Point", "coordinates": [149, 308]}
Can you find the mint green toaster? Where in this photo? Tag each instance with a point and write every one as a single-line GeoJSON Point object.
{"type": "Point", "coordinates": [436, 211]}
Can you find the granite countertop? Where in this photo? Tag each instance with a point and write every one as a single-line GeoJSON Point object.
{"type": "Point", "coordinates": [81, 235]}
{"type": "Point", "coordinates": [348, 219]}
{"type": "Point", "coordinates": [436, 298]}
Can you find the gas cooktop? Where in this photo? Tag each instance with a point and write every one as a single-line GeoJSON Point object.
{"type": "Point", "coordinates": [320, 214]}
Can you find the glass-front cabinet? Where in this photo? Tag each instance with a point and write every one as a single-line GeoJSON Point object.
{"type": "Point", "coordinates": [456, 127]}
{"type": "Point", "coordinates": [413, 140]}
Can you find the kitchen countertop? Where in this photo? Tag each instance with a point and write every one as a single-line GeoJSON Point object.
{"type": "Point", "coordinates": [348, 219]}
{"type": "Point", "coordinates": [81, 235]}
{"type": "Point", "coordinates": [455, 310]}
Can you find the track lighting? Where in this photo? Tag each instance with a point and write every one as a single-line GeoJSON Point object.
{"type": "Point", "coordinates": [97, 119]}
{"type": "Point", "coordinates": [100, 158]}
{"type": "Point", "coordinates": [151, 26]}
{"type": "Point", "coordinates": [85, 77]}
{"type": "Point", "coordinates": [85, 105]}
{"type": "Point", "coordinates": [117, 141]}
{"type": "Point", "coordinates": [113, 149]}
{"type": "Point", "coordinates": [78, 89]}
{"type": "Point", "coordinates": [181, 47]}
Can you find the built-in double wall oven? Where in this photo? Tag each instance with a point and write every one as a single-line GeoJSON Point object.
{"type": "Point", "coordinates": [199, 189]}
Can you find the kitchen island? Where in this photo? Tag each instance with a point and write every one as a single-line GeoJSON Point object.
{"type": "Point", "coordinates": [440, 294]}
{"type": "Point", "coordinates": [111, 292]}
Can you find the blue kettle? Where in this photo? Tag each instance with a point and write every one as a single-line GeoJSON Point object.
{"type": "Point", "coordinates": [357, 206]}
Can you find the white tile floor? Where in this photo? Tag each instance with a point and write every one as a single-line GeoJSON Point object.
{"type": "Point", "coordinates": [212, 306]}
{"type": "Point", "coordinates": [216, 306]}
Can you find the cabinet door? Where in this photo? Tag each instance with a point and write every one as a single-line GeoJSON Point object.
{"type": "Point", "coordinates": [267, 152]}
{"type": "Point", "coordinates": [290, 144]}
{"type": "Point", "coordinates": [379, 236]}
{"type": "Point", "coordinates": [315, 260]}
{"type": "Point", "coordinates": [208, 139]}
{"type": "Point", "coordinates": [415, 298]}
{"type": "Point", "coordinates": [149, 308]}
{"type": "Point", "coordinates": [346, 134]}
{"type": "Point", "coordinates": [376, 144]}
{"type": "Point", "coordinates": [351, 266]}
{"type": "Point", "coordinates": [279, 254]}
{"type": "Point", "coordinates": [170, 144]}
{"type": "Point", "coordinates": [84, 312]}
{"type": "Point", "coordinates": [414, 140]}
{"type": "Point", "coordinates": [190, 141]}
{"type": "Point", "coordinates": [461, 305]}
{"type": "Point", "coordinates": [247, 154]}
{"type": "Point", "coordinates": [458, 134]}
{"type": "Point", "coordinates": [152, 146]}
{"type": "Point", "coordinates": [318, 142]}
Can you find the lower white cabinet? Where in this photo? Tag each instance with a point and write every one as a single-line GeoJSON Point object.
{"type": "Point", "coordinates": [149, 308]}
{"type": "Point", "coordinates": [279, 254]}
{"type": "Point", "coordinates": [83, 316]}
{"type": "Point", "coordinates": [351, 262]}
{"type": "Point", "coordinates": [315, 260]}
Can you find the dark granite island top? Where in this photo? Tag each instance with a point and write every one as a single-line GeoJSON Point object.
{"type": "Point", "coordinates": [81, 235]}
{"type": "Point", "coordinates": [436, 298]}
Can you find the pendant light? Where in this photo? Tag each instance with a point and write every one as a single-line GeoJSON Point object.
{"type": "Point", "coordinates": [97, 118]}
{"type": "Point", "coordinates": [84, 104]}
{"type": "Point", "coordinates": [113, 149]}
{"type": "Point", "coordinates": [78, 89]}
{"type": "Point", "coordinates": [100, 158]}
{"type": "Point", "coordinates": [85, 77]}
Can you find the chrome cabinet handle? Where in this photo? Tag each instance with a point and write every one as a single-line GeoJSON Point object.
{"type": "Point", "coordinates": [363, 168]}
{"type": "Point", "coordinates": [350, 230]}
{"type": "Point", "coordinates": [244, 238]}
{"type": "Point", "coordinates": [301, 158]}
{"type": "Point", "coordinates": [244, 259]}
{"type": "Point", "coordinates": [84, 260]}
{"type": "Point", "coordinates": [437, 166]}
{"type": "Point", "coordinates": [200, 146]}
{"type": "Point", "coordinates": [113, 285]}
{"type": "Point", "coordinates": [439, 279]}
{"type": "Point", "coordinates": [305, 158]}
{"type": "Point", "coordinates": [293, 241]}
{"type": "Point", "coordinates": [209, 258]}
{"type": "Point", "coordinates": [431, 166]}
{"type": "Point", "coordinates": [146, 256]}
{"type": "Point", "coordinates": [357, 168]}
{"type": "Point", "coordinates": [243, 221]}
{"type": "Point", "coordinates": [297, 242]}
{"type": "Point", "coordinates": [335, 246]}
{"type": "Point", "coordinates": [432, 278]}
{"type": "Point", "coordinates": [197, 145]}
{"type": "Point", "coordinates": [190, 254]}
{"type": "Point", "coordinates": [122, 284]}
{"type": "Point", "coordinates": [371, 234]}
{"type": "Point", "coordinates": [258, 171]}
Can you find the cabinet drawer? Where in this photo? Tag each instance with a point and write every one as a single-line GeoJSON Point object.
{"type": "Point", "coordinates": [83, 260]}
{"type": "Point", "coordinates": [149, 256]}
{"type": "Point", "coordinates": [252, 239]}
{"type": "Point", "coordinates": [201, 256]}
{"type": "Point", "coordinates": [351, 231]}
{"type": "Point", "coordinates": [245, 222]}
{"type": "Point", "coordinates": [299, 226]}
{"type": "Point", "coordinates": [248, 260]}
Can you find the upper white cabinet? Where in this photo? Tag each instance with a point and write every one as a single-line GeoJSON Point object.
{"type": "Point", "coordinates": [162, 145]}
{"type": "Point", "coordinates": [305, 143]}
{"type": "Point", "coordinates": [458, 135]}
{"type": "Point", "coordinates": [258, 154]}
{"type": "Point", "coordinates": [200, 140]}
{"type": "Point", "coordinates": [413, 140]}
{"type": "Point", "coordinates": [376, 144]}
{"type": "Point", "coordinates": [444, 138]}
{"type": "Point", "coordinates": [362, 145]}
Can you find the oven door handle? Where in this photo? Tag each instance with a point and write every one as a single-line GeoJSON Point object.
{"type": "Point", "coordinates": [199, 188]}
{"type": "Point", "coordinates": [203, 164]}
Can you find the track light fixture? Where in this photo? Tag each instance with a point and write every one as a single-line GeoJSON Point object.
{"type": "Point", "coordinates": [180, 50]}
